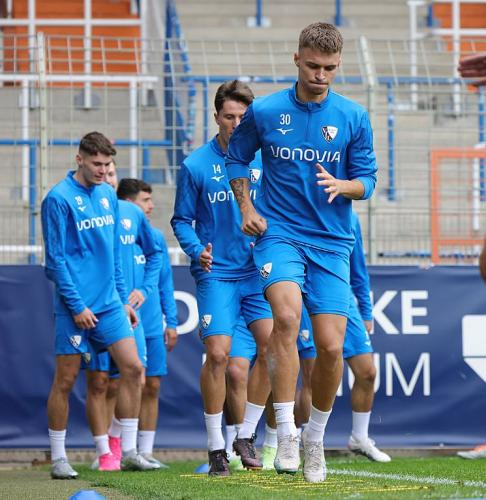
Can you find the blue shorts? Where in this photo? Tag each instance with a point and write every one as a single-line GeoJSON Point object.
{"type": "Point", "coordinates": [221, 303]}
{"type": "Point", "coordinates": [305, 340]}
{"type": "Point", "coordinates": [357, 341]}
{"type": "Point", "coordinates": [322, 276]}
{"type": "Point", "coordinates": [243, 344]}
{"type": "Point", "coordinates": [112, 326]}
{"type": "Point", "coordinates": [156, 357]}
{"type": "Point", "coordinates": [103, 362]}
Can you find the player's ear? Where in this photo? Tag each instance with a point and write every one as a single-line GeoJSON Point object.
{"type": "Point", "coordinates": [296, 59]}
{"type": "Point", "coordinates": [216, 118]}
{"type": "Point", "coordinates": [79, 159]}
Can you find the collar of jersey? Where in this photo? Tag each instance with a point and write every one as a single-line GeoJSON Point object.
{"type": "Point", "coordinates": [215, 145]}
{"type": "Point", "coordinates": [308, 106]}
{"type": "Point", "coordinates": [76, 184]}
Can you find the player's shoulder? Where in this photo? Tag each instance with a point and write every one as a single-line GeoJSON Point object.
{"type": "Point", "coordinates": [269, 101]}
{"type": "Point", "coordinates": [198, 159]}
{"type": "Point", "coordinates": [129, 209]}
{"type": "Point", "coordinates": [347, 104]}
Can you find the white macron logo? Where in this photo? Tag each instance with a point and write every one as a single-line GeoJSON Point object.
{"type": "Point", "coordinates": [283, 131]}
{"type": "Point", "coordinates": [75, 341]}
{"type": "Point", "coordinates": [474, 343]}
{"type": "Point", "coordinates": [265, 270]}
{"type": "Point", "coordinates": [206, 320]}
{"type": "Point", "coordinates": [217, 178]}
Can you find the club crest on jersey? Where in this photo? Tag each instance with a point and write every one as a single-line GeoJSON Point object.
{"type": "Point", "coordinates": [86, 357]}
{"type": "Point", "coordinates": [206, 320]}
{"type": "Point", "coordinates": [126, 223]}
{"type": "Point", "coordinates": [75, 341]}
{"type": "Point", "coordinates": [105, 203]}
{"type": "Point", "coordinates": [265, 270]}
{"type": "Point", "coordinates": [304, 335]}
{"type": "Point", "coordinates": [255, 174]}
{"type": "Point", "coordinates": [329, 132]}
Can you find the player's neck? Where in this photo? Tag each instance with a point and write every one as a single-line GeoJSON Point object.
{"type": "Point", "coordinates": [222, 143]}
{"type": "Point", "coordinates": [81, 180]}
{"type": "Point", "coordinates": [305, 97]}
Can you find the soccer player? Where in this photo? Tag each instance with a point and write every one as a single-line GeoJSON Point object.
{"type": "Point", "coordinates": [206, 222]}
{"type": "Point", "coordinates": [158, 305]}
{"type": "Point", "coordinates": [141, 261]}
{"type": "Point", "coordinates": [317, 152]}
{"type": "Point", "coordinates": [80, 224]}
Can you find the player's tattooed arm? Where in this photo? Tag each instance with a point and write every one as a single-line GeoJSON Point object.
{"type": "Point", "coordinates": [253, 224]}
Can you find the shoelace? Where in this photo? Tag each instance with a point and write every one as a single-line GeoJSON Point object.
{"type": "Point", "coordinates": [313, 456]}
{"type": "Point", "coordinates": [287, 448]}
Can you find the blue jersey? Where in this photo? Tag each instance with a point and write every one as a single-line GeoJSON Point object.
{"type": "Point", "coordinates": [359, 278]}
{"type": "Point", "coordinates": [135, 234]}
{"type": "Point", "coordinates": [293, 136]}
{"type": "Point", "coordinates": [204, 196]}
{"type": "Point", "coordinates": [161, 301]}
{"type": "Point", "coordinates": [80, 228]}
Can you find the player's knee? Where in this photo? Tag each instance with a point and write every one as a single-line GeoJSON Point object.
{"type": "Point", "coordinates": [331, 351]}
{"type": "Point", "coordinates": [236, 375]}
{"type": "Point", "coordinates": [217, 358]}
{"type": "Point", "coordinates": [286, 320]}
{"type": "Point", "coordinates": [132, 371]}
{"type": "Point", "coordinates": [367, 376]}
{"type": "Point", "coordinates": [98, 385]}
{"type": "Point", "coordinates": [64, 382]}
{"type": "Point", "coordinates": [152, 387]}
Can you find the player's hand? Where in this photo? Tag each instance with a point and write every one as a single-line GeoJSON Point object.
{"type": "Point", "coordinates": [170, 337]}
{"type": "Point", "coordinates": [332, 185]}
{"type": "Point", "coordinates": [482, 262]}
{"type": "Point", "coordinates": [474, 66]}
{"type": "Point", "coordinates": [136, 298]}
{"type": "Point", "coordinates": [206, 258]}
{"type": "Point", "coordinates": [368, 323]}
{"type": "Point", "coordinates": [253, 224]}
{"type": "Point", "coordinates": [132, 315]}
{"type": "Point", "coordinates": [85, 319]}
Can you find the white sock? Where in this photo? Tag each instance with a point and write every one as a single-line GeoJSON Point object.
{"type": "Point", "coordinates": [314, 430]}
{"type": "Point", "coordinates": [115, 428]}
{"type": "Point", "coordinates": [270, 437]}
{"type": "Point", "coordinates": [146, 442]}
{"type": "Point", "coordinates": [253, 414]}
{"type": "Point", "coordinates": [102, 446]}
{"type": "Point", "coordinates": [361, 422]}
{"type": "Point", "coordinates": [231, 432]}
{"type": "Point", "coordinates": [284, 415]}
{"type": "Point", "coordinates": [129, 434]}
{"type": "Point", "coordinates": [214, 430]}
{"type": "Point", "coordinates": [58, 446]}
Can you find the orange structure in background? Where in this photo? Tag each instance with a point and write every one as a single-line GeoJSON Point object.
{"type": "Point", "coordinates": [437, 240]}
{"type": "Point", "coordinates": [115, 49]}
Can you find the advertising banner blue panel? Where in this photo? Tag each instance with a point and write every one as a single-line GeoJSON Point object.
{"type": "Point", "coordinates": [430, 353]}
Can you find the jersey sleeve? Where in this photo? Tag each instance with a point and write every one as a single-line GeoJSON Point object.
{"type": "Point", "coordinates": [185, 213]}
{"type": "Point", "coordinates": [54, 216]}
{"type": "Point", "coordinates": [360, 280]}
{"type": "Point", "coordinates": [243, 145]}
{"type": "Point", "coordinates": [153, 256]}
{"type": "Point", "coordinates": [119, 279]}
{"type": "Point", "coordinates": [361, 157]}
{"type": "Point", "coordinates": [166, 288]}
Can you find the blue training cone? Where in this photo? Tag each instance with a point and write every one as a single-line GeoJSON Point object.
{"type": "Point", "coordinates": [87, 495]}
{"type": "Point", "coordinates": [202, 469]}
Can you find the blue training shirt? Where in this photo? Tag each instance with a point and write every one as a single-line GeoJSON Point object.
{"type": "Point", "coordinates": [136, 234]}
{"type": "Point", "coordinates": [293, 136]}
{"type": "Point", "coordinates": [204, 196]}
{"type": "Point", "coordinates": [162, 300]}
{"type": "Point", "coordinates": [359, 278]}
{"type": "Point", "coordinates": [80, 228]}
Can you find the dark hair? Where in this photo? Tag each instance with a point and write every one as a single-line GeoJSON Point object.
{"type": "Point", "coordinates": [129, 188]}
{"type": "Point", "coordinates": [94, 143]}
{"type": "Point", "coordinates": [323, 37]}
{"type": "Point", "coordinates": [233, 90]}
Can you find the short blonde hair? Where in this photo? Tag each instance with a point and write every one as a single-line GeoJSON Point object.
{"type": "Point", "coordinates": [323, 37]}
